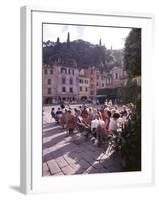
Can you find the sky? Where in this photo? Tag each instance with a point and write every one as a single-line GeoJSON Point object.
{"type": "Point", "coordinates": [110, 36]}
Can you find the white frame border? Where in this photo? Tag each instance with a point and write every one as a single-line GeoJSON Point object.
{"type": "Point", "coordinates": [26, 87]}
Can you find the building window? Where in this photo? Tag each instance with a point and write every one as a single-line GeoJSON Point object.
{"type": "Point", "coordinates": [73, 71]}
{"type": "Point", "coordinates": [63, 71]}
{"type": "Point", "coordinates": [91, 79]}
{"type": "Point", "coordinates": [97, 77]}
{"type": "Point", "coordinates": [80, 89]}
{"type": "Point", "coordinates": [49, 81]}
{"type": "Point", "coordinates": [92, 86]}
{"type": "Point", "coordinates": [63, 81]}
{"type": "Point", "coordinates": [45, 71]}
{"type": "Point", "coordinates": [102, 84]}
{"type": "Point", "coordinates": [63, 89]}
{"type": "Point", "coordinates": [116, 75]}
{"type": "Point", "coordinates": [51, 71]}
{"type": "Point", "coordinates": [71, 81]}
{"type": "Point", "coordinates": [71, 90]}
{"type": "Point", "coordinates": [86, 89]}
{"type": "Point", "coordinates": [69, 71]}
{"type": "Point", "coordinates": [108, 81]}
{"type": "Point", "coordinates": [49, 90]}
{"type": "Point", "coordinates": [77, 80]}
{"type": "Point", "coordinates": [91, 92]}
{"type": "Point", "coordinates": [97, 84]}
{"type": "Point", "coordinates": [91, 71]}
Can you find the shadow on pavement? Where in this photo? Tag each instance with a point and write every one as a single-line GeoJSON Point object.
{"type": "Point", "coordinates": [82, 158]}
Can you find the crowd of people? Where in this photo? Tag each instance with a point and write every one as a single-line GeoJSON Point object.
{"type": "Point", "coordinates": [94, 122]}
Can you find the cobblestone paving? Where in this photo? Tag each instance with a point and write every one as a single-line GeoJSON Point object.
{"type": "Point", "coordinates": [61, 156]}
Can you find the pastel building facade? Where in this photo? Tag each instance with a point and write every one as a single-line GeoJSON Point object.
{"type": "Point", "coordinates": [101, 77]}
{"type": "Point", "coordinates": [67, 83]}
{"type": "Point", "coordinates": [91, 74]}
{"type": "Point", "coordinates": [84, 85]}
{"type": "Point", "coordinates": [60, 83]}
{"type": "Point", "coordinates": [116, 77]}
{"type": "Point", "coordinates": [49, 83]}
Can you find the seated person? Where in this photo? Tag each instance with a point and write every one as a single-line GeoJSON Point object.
{"type": "Point", "coordinates": [94, 124]}
{"type": "Point", "coordinates": [106, 118]}
{"type": "Point", "coordinates": [123, 113]}
{"type": "Point", "coordinates": [101, 130]}
{"type": "Point", "coordinates": [85, 115]}
{"type": "Point", "coordinates": [64, 118]}
{"type": "Point", "coordinates": [80, 122]}
{"type": "Point", "coordinates": [53, 113]}
{"type": "Point", "coordinates": [59, 114]}
{"type": "Point", "coordinates": [62, 105]}
{"type": "Point", "coordinates": [70, 122]}
{"type": "Point", "coordinates": [90, 115]}
{"type": "Point", "coordinates": [113, 125]}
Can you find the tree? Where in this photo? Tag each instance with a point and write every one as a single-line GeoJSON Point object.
{"type": "Point", "coordinates": [68, 40]}
{"type": "Point", "coordinates": [100, 42]}
{"type": "Point", "coordinates": [132, 93]}
{"type": "Point", "coordinates": [58, 40]}
{"type": "Point", "coordinates": [84, 53]}
{"type": "Point", "coordinates": [118, 55]}
{"type": "Point", "coordinates": [132, 53]}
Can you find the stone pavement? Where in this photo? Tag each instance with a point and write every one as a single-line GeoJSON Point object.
{"type": "Point", "coordinates": [62, 156]}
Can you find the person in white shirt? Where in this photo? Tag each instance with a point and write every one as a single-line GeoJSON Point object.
{"type": "Point", "coordinates": [113, 125]}
{"type": "Point", "coordinates": [94, 124]}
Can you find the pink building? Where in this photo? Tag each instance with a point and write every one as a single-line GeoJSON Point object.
{"type": "Point", "coordinates": [91, 74]}
{"type": "Point", "coordinates": [67, 83]}
{"type": "Point", "coordinates": [60, 83]}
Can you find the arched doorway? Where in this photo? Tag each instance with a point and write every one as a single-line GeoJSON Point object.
{"type": "Point", "coordinates": [83, 98]}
